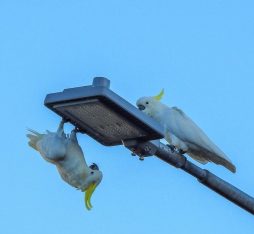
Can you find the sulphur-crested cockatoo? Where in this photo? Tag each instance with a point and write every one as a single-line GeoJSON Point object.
{"type": "Point", "coordinates": [182, 133]}
{"type": "Point", "coordinates": [64, 151]}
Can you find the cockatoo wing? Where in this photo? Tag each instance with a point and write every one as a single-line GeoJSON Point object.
{"type": "Point", "coordinates": [200, 146]}
{"type": "Point", "coordinates": [52, 146]}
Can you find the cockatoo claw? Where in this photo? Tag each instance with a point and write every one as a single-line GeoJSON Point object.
{"type": "Point", "coordinates": [63, 121]}
{"type": "Point", "coordinates": [141, 158]}
{"type": "Point", "coordinates": [172, 148]}
{"type": "Point", "coordinates": [180, 151]}
{"type": "Point", "coordinates": [76, 129]}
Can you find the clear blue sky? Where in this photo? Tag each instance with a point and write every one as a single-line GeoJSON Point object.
{"type": "Point", "coordinates": [201, 52]}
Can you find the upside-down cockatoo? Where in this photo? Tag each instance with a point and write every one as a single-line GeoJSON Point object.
{"type": "Point", "coordinates": [65, 153]}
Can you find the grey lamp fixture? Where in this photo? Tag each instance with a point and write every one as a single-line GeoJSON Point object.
{"type": "Point", "coordinates": [111, 120]}
{"type": "Point", "coordinates": [102, 114]}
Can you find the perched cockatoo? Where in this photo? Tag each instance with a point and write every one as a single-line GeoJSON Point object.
{"type": "Point", "coordinates": [64, 151]}
{"type": "Point", "coordinates": [182, 133]}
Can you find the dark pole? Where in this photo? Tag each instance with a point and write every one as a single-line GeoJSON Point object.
{"type": "Point", "coordinates": [205, 177]}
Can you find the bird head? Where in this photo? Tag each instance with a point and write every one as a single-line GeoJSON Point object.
{"type": "Point", "coordinates": [150, 105]}
{"type": "Point", "coordinates": [92, 181]}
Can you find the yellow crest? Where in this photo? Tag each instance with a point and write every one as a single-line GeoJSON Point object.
{"type": "Point", "coordinates": [159, 96]}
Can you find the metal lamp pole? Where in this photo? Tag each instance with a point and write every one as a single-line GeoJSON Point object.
{"type": "Point", "coordinates": [205, 177]}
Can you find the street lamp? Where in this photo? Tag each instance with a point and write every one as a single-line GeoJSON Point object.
{"type": "Point", "coordinates": [102, 114]}
{"type": "Point", "coordinates": [111, 120]}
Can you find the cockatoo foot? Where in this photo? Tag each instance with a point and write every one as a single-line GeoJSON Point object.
{"type": "Point", "coordinates": [60, 129]}
{"type": "Point", "coordinates": [141, 158]}
{"type": "Point", "coordinates": [76, 129]}
{"type": "Point", "coordinates": [172, 148]}
{"type": "Point", "coordinates": [180, 151]}
{"type": "Point", "coordinates": [63, 121]}
{"type": "Point", "coordinates": [73, 135]}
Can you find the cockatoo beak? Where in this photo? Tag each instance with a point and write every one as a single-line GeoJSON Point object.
{"type": "Point", "coordinates": [141, 107]}
{"type": "Point", "coordinates": [88, 194]}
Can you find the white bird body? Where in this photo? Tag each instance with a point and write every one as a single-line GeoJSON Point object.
{"type": "Point", "coordinates": [181, 132]}
{"type": "Point", "coordinates": [64, 151]}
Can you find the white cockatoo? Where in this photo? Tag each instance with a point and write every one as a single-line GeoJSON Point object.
{"type": "Point", "coordinates": [64, 151]}
{"type": "Point", "coordinates": [182, 133]}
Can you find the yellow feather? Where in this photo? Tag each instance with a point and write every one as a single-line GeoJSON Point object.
{"type": "Point", "coordinates": [159, 96]}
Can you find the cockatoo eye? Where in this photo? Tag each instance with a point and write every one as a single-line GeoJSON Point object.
{"type": "Point", "coordinates": [94, 166]}
{"type": "Point", "coordinates": [147, 103]}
